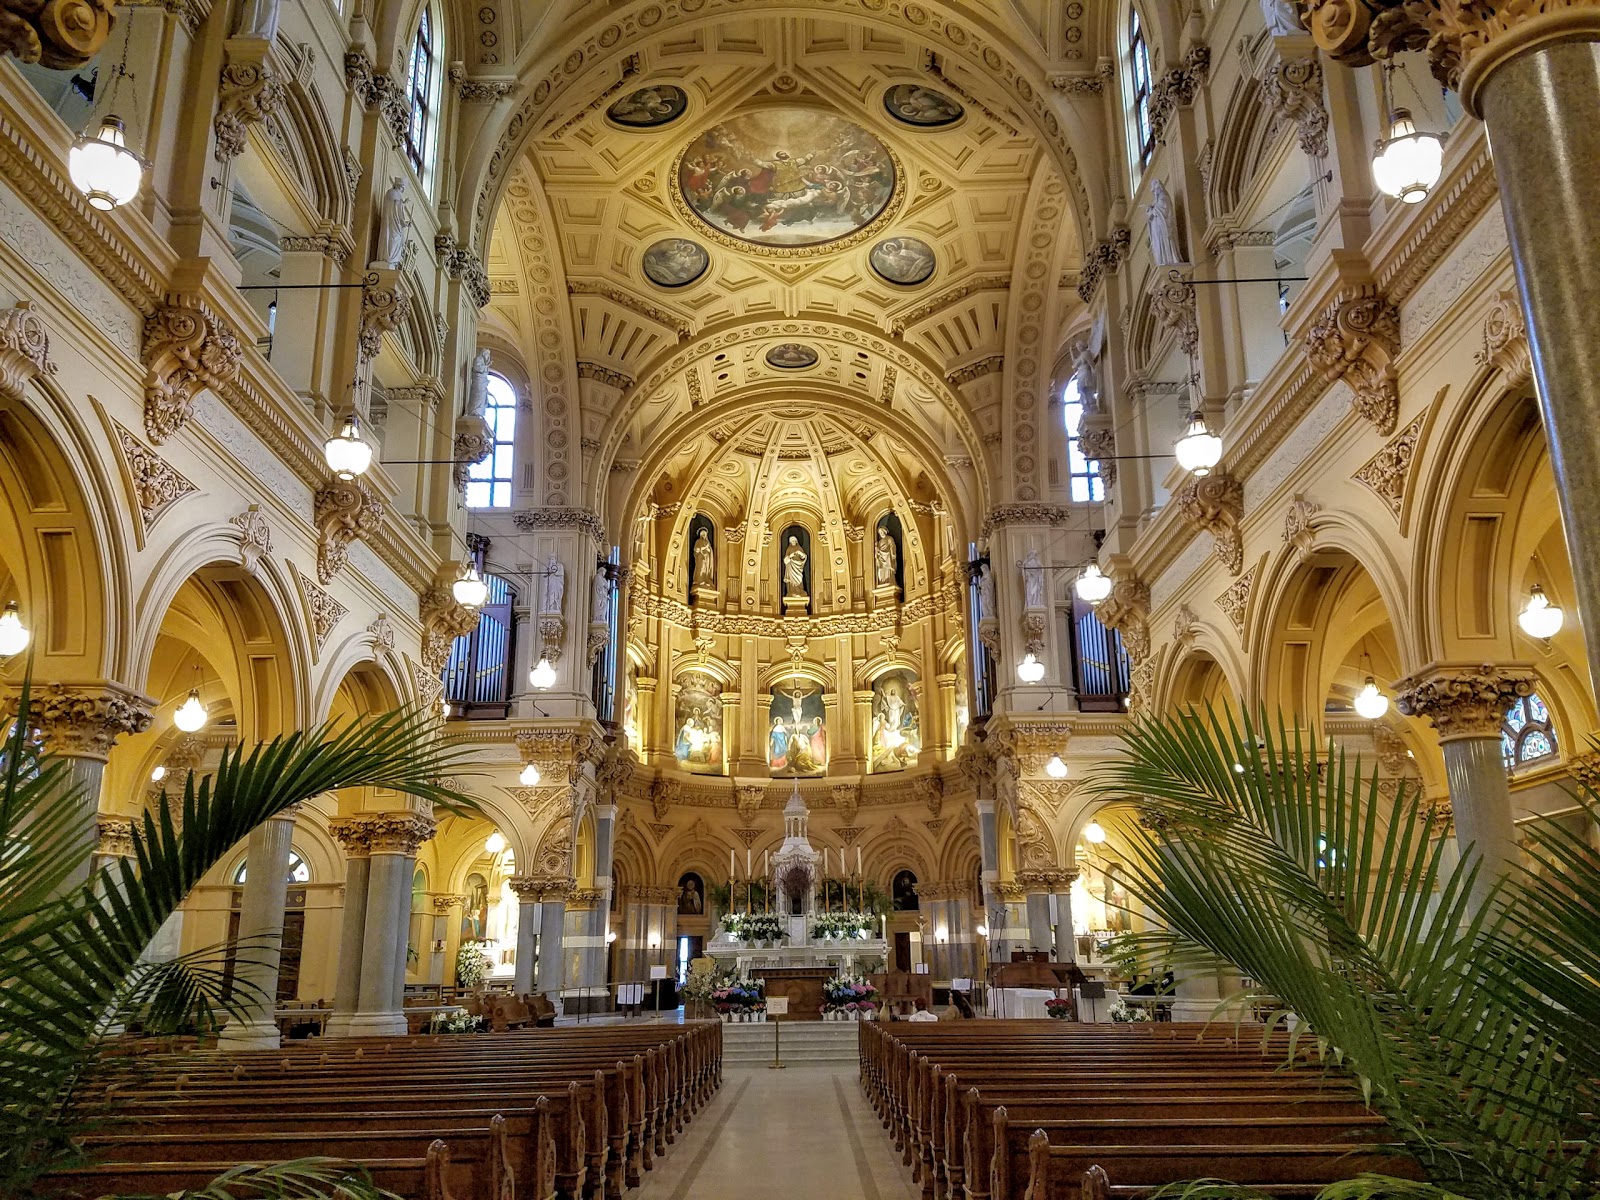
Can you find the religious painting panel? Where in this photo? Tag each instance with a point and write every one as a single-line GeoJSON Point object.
{"type": "Point", "coordinates": [475, 913]}
{"type": "Point", "coordinates": [903, 891]}
{"type": "Point", "coordinates": [797, 729]}
{"type": "Point", "coordinates": [652, 107]}
{"type": "Point", "coordinates": [697, 724]}
{"type": "Point", "coordinates": [921, 106]}
{"type": "Point", "coordinates": [792, 356]}
{"type": "Point", "coordinates": [903, 261]}
{"type": "Point", "coordinates": [674, 262]}
{"type": "Point", "coordinates": [787, 177]}
{"type": "Point", "coordinates": [691, 895]}
{"type": "Point", "coordinates": [896, 734]}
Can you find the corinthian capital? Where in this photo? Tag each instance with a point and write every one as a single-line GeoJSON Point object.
{"type": "Point", "coordinates": [1463, 700]}
{"type": "Point", "coordinates": [85, 721]}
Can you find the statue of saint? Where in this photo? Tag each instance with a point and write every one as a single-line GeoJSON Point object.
{"type": "Point", "coordinates": [1033, 581]}
{"type": "Point", "coordinates": [985, 595]}
{"type": "Point", "coordinates": [554, 588]}
{"type": "Point", "coordinates": [394, 225]}
{"type": "Point", "coordinates": [1163, 226]}
{"type": "Point", "coordinates": [705, 561]}
{"type": "Point", "coordinates": [1086, 365]}
{"type": "Point", "coordinates": [600, 598]}
{"type": "Point", "coordinates": [478, 392]}
{"type": "Point", "coordinates": [257, 19]}
{"type": "Point", "coordinates": [884, 557]}
{"type": "Point", "coordinates": [1282, 18]}
{"type": "Point", "coordinates": [794, 568]}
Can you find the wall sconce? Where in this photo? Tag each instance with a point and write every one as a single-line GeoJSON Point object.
{"type": "Point", "coordinates": [654, 940]}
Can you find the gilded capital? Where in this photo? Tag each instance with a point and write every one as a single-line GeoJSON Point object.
{"type": "Point", "coordinates": [114, 837]}
{"type": "Point", "coordinates": [446, 901]}
{"type": "Point", "coordinates": [1462, 700]}
{"type": "Point", "coordinates": [84, 721]}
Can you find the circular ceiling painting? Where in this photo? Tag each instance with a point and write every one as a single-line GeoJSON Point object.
{"type": "Point", "coordinates": [675, 262]}
{"type": "Point", "coordinates": [787, 177]}
{"type": "Point", "coordinates": [649, 107]}
{"type": "Point", "coordinates": [904, 260]}
{"type": "Point", "coordinates": [921, 106]}
{"type": "Point", "coordinates": [791, 356]}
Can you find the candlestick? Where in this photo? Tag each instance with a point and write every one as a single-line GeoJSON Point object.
{"type": "Point", "coordinates": [731, 869]}
{"type": "Point", "coordinates": [747, 862]}
{"type": "Point", "coordinates": [858, 860]}
{"type": "Point", "coordinates": [766, 863]}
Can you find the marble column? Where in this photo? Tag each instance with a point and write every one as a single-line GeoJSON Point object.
{"type": "Point", "coordinates": [80, 724]}
{"type": "Point", "coordinates": [394, 841]}
{"type": "Point", "coordinates": [550, 971]}
{"type": "Point", "coordinates": [527, 890]}
{"type": "Point", "coordinates": [1037, 893]}
{"type": "Point", "coordinates": [352, 835]}
{"type": "Point", "coordinates": [266, 891]}
{"type": "Point", "coordinates": [1467, 704]}
{"type": "Point", "coordinates": [1066, 938]}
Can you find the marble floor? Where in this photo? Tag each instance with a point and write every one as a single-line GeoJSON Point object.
{"type": "Point", "coordinates": [799, 1134]}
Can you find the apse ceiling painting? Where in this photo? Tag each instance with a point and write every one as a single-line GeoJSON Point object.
{"type": "Point", "coordinates": [921, 106]}
{"type": "Point", "coordinates": [785, 178]}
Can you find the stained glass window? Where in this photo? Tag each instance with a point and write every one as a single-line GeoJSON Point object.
{"type": "Point", "coordinates": [1526, 735]}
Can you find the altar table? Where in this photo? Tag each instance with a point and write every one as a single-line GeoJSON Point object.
{"type": "Point", "coordinates": [801, 985]}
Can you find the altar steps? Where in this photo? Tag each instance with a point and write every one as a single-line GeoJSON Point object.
{"type": "Point", "coordinates": [750, 1045]}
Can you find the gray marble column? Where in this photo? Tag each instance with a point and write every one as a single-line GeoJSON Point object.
{"type": "Point", "coordinates": [1066, 939]}
{"type": "Point", "coordinates": [1040, 936]}
{"type": "Point", "coordinates": [527, 892]}
{"type": "Point", "coordinates": [1467, 704]}
{"type": "Point", "coordinates": [394, 840]}
{"type": "Point", "coordinates": [402, 929]}
{"type": "Point", "coordinates": [352, 925]}
{"type": "Point", "coordinates": [552, 922]}
{"type": "Point", "coordinates": [266, 889]}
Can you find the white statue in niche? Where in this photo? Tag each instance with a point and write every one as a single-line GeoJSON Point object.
{"type": "Point", "coordinates": [1163, 226]}
{"type": "Point", "coordinates": [705, 561]}
{"type": "Point", "coordinates": [1282, 18]}
{"type": "Point", "coordinates": [554, 588]}
{"type": "Point", "coordinates": [257, 19]}
{"type": "Point", "coordinates": [394, 225]}
{"type": "Point", "coordinates": [1086, 365]}
{"type": "Point", "coordinates": [1033, 581]}
{"type": "Point", "coordinates": [794, 568]}
{"type": "Point", "coordinates": [884, 558]}
{"type": "Point", "coordinates": [985, 594]}
{"type": "Point", "coordinates": [600, 598]}
{"type": "Point", "coordinates": [478, 390]}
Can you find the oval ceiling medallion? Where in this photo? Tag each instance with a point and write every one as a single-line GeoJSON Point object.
{"type": "Point", "coordinates": [787, 178]}
{"type": "Point", "coordinates": [649, 107]}
{"type": "Point", "coordinates": [906, 261]}
{"type": "Point", "coordinates": [920, 106]}
{"type": "Point", "coordinates": [674, 262]}
{"type": "Point", "coordinates": [791, 356]}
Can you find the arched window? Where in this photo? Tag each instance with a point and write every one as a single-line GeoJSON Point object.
{"type": "Point", "coordinates": [1083, 480]}
{"type": "Point", "coordinates": [299, 872]}
{"type": "Point", "coordinates": [420, 83]}
{"type": "Point", "coordinates": [1526, 735]}
{"type": "Point", "coordinates": [489, 482]}
{"type": "Point", "coordinates": [1144, 134]}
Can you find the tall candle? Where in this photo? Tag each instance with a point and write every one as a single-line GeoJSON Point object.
{"type": "Point", "coordinates": [747, 862]}
{"type": "Point", "coordinates": [824, 862]}
{"type": "Point", "coordinates": [858, 860]}
{"type": "Point", "coordinates": [730, 862]}
{"type": "Point", "coordinates": [766, 862]}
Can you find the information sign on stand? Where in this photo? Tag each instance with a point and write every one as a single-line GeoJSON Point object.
{"type": "Point", "coordinates": [777, 1006]}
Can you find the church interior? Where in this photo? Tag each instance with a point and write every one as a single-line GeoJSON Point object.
{"type": "Point", "coordinates": [1019, 556]}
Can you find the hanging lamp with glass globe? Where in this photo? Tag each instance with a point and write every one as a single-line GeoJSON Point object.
{"type": "Point", "coordinates": [347, 453]}
{"type": "Point", "coordinates": [103, 168]}
{"type": "Point", "coordinates": [1093, 586]}
{"type": "Point", "coordinates": [1540, 618]}
{"type": "Point", "coordinates": [1094, 833]}
{"type": "Point", "coordinates": [1030, 669]}
{"type": "Point", "coordinates": [1056, 768]}
{"type": "Point", "coordinates": [495, 842]}
{"type": "Point", "coordinates": [1407, 163]}
{"type": "Point", "coordinates": [1370, 702]}
{"type": "Point", "coordinates": [470, 590]}
{"type": "Point", "coordinates": [14, 635]}
{"type": "Point", "coordinates": [1199, 450]}
{"type": "Point", "coordinates": [530, 776]}
{"type": "Point", "coordinates": [192, 713]}
{"type": "Point", "coordinates": [543, 675]}
{"type": "Point", "coordinates": [158, 773]}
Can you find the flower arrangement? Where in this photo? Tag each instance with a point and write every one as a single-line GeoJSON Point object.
{"type": "Point", "coordinates": [1058, 1009]}
{"type": "Point", "coordinates": [738, 999]}
{"type": "Point", "coordinates": [458, 1021]}
{"type": "Point", "coordinates": [472, 965]}
{"type": "Point", "coordinates": [842, 925]}
{"type": "Point", "coordinates": [1124, 1013]}
{"type": "Point", "coordinates": [760, 927]}
{"type": "Point", "coordinates": [849, 998]}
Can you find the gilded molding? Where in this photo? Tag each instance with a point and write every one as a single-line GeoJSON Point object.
{"type": "Point", "coordinates": [84, 721]}
{"type": "Point", "coordinates": [113, 837]}
{"type": "Point", "coordinates": [1464, 700]}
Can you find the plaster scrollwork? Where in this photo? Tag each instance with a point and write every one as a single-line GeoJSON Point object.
{"type": "Point", "coordinates": [1505, 340]}
{"type": "Point", "coordinates": [1178, 88]}
{"type": "Point", "coordinates": [157, 484]}
{"type": "Point", "coordinates": [1172, 304]}
{"type": "Point", "coordinates": [443, 621]}
{"type": "Point", "coordinates": [383, 299]}
{"type": "Point", "coordinates": [1463, 700]}
{"type": "Point", "coordinates": [1215, 503]}
{"type": "Point", "coordinates": [1127, 610]}
{"type": "Point", "coordinates": [1356, 339]}
{"type": "Point", "coordinates": [1033, 632]}
{"type": "Point", "coordinates": [1387, 471]}
{"type": "Point", "coordinates": [84, 721]}
{"type": "Point", "coordinates": [251, 92]}
{"type": "Point", "coordinates": [474, 442]}
{"type": "Point", "coordinates": [664, 793]}
{"type": "Point", "coordinates": [748, 799]}
{"type": "Point", "coordinates": [1098, 441]}
{"type": "Point", "coordinates": [847, 799]}
{"type": "Point", "coordinates": [460, 263]}
{"type": "Point", "coordinates": [1142, 686]}
{"type": "Point", "coordinates": [60, 34]}
{"type": "Point", "coordinates": [255, 536]}
{"type": "Point", "coordinates": [1291, 84]}
{"type": "Point", "coordinates": [1185, 625]}
{"type": "Point", "coordinates": [113, 837]}
{"type": "Point", "coordinates": [1585, 768]}
{"type": "Point", "coordinates": [552, 636]}
{"type": "Point", "coordinates": [561, 518]}
{"type": "Point", "coordinates": [322, 609]}
{"type": "Point", "coordinates": [929, 792]}
{"type": "Point", "coordinates": [24, 349]}
{"type": "Point", "coordinates": [1235, 602]}
{"type": "Point", "coordinates": [1298, 533]}
{"type": "Point", "coordinates": [382, 631]}
{"type": "Point", "coordinates": [1101, 259]}
{"type": "Point", "coordinates": [378, 91]}
{"type": "Point", "coordinates": [344, 510]}
{"type": "Point", "coordinates": [186, 347]}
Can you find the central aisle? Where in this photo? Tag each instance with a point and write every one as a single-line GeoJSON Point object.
{"type": "Point", "coordinates": [795, 1134]}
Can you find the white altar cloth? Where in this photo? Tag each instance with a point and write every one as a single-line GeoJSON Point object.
{"type": "Point", "coordinates": [1019, 1002]}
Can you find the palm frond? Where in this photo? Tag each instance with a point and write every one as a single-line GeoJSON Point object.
{"type": "Point", "coordinates": [300, 1179]}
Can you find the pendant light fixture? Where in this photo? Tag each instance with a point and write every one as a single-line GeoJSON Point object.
{"type": "Point", "coordinates": [1539, 618]}
{"type": "Point", "coordinates": [495, 842]}
{"type": "Point", "coordinates": [1370, 702]}
{"type": "Point", "coordinates": [1407, 163]}
{"type": "Point", "coordinates": [192, 713]}
{"type": "Point", "coordinates": [1093, 586]}
{"type": "Point", "coordinates": [101, 165]}
{"type": "Point", "coordinates": [1094, 833]}
{"type": "Point", "coordinates": [14, 635]}
{"type": "Point", "coordinates": [1199, 450]}
{"type": "Point", "coordinates": [1030, 669]}
{"type": "Point", "coordinates": [347, 453]}
{"type": "Point", "coordinates": [470, 590]}
{"type": "Point", "coordinates": [1056, 768]}
{"type": "Point", "coordinates": [530, 776]}
{"type": "Point", "coordinates": [543, 675]}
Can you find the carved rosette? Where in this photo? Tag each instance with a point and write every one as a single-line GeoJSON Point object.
{"type": "Point", "coordinates": [186, 347]}
{"type": "Point", "coordinates": [1291, 84]}
{"type": "Point", "coordinates": [383, 299]}
{"type": "Point", "coordinates": [474, 442]}
{"type": "Point", "coordinates": [1127, 610]}
{"type": "Point", "coordinates": [1215, 503]}
{"type": "Point", "coordinates": [345, 510]}
{"type": "Point", "coordinates": [1172, 304]}
{"type": "Point", "coordinates": [1463, 701]}
{"type": "Point", "coordinates": [60, 34]}
{"type": "Point", "coordinates": [1505, 340]}
{"type": "Point", "coordinates": [157, 484]}
{"type": "Point", "coordinates": [251, 92]}
{"type": "Point", "coordinates": [85, 721]}
{"type": "Point", "coordinates": [24, 349]}
{"type": "Point", "coordinates": [1356, 339]}
{"type": "Point", "coordinates": [443, 621]}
